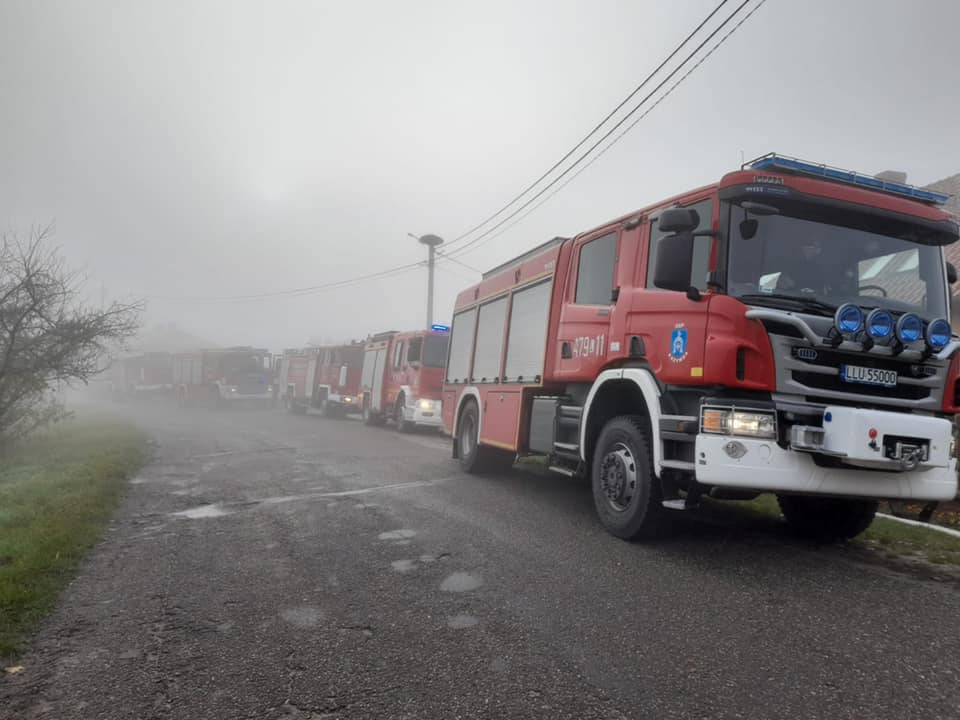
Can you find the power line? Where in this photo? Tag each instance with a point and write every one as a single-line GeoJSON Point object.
{"type": "Point", "coordinates": [596, 128]}
{"type": "Point", "coordinates": [622, 134]}
{"type": "Point", "coordinates": [606, 135]}
{"type": "Point", "coordinates": [459, 262]}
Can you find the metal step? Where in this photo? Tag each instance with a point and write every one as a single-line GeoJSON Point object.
{"type": "Point", "coordinates": [678, 465]}
{"type": "Point", "coordinates": [675, 504]}
{"type": "Point", "coordinates": [562, 470]}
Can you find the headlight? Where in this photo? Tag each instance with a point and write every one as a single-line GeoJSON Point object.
{"type": "Point", "coordinates": [426, 404]}
{"type": "Point", "coordinates": [347, 399]}
{"type": "Point", "coordinates": [909, 328]}
{"type": "Point", "coordinates": [938, 334]}
{"type": "Point", "coordinates": [879, 324]}
{"type": "Point", "coordinates": [727, 421]}
{"type": "Point", "coordinates": [848, 319]}
{"type": "Point", "coordinates": [233, 389]}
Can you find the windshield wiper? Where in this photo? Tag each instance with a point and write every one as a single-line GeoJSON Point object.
{"type": "Point", "coordinates": [799, 302]}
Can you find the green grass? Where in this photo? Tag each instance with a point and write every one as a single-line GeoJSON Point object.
{"type": "Point", "coordinates": [885, 535]}
{"type": "Point", "coordinates": [57, 491]}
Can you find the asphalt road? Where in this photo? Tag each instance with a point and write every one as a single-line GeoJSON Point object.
{"type": "Point", "coordinates": [274, 566]}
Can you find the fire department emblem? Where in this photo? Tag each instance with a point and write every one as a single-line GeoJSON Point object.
{"type": "Point", "coordinates": [678, 343]}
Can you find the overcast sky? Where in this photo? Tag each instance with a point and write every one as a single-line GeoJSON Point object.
{"type": "Point", "coordinates": [197, 149]}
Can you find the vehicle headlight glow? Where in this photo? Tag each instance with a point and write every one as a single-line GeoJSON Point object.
{"type": "Point", "coordinates": [426, 404]}
{"type": "Point", "coordinates": [848, 319]}
{"type": "Point", "coordinates": [909, 328]}
{"type": "Point", "coordinates": [879, 324]}
{"type": "Point", "coordinates": [727, 421]}
{"type": "Point", "coordinates": [938, 334]}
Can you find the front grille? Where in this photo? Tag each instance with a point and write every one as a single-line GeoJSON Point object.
{"type": "Point", "coordinates": [833, 382]}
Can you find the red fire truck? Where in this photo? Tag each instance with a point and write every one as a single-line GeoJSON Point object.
{"type": "Point", "coordinates": [402, 378]}
{"type": "Point", "coordinates": [323, 379]}
{"type": "Point", "coordinates": [150, 374]}
{"type": "Point", "coordinates": [223, 376]}
{"type": "Point", "coordinates": [784, 330]}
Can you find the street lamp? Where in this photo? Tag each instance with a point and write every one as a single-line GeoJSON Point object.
{"type": "Point", "coordinates": [431, 241]}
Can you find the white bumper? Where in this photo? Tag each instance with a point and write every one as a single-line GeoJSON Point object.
{"type": "Point", "coordinates": [230, 394]}
{"type": "Point", "coordinates": [431, 416]}
{"type": "Point", "coordinates": [767, 466]}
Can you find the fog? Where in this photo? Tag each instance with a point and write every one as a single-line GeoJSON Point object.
{"type": "Point", "coordinates": [188, 151]}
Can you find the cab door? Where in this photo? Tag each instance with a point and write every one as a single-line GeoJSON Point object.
{"type": "Point", "coordinates": [589, 295]}
{"type": "Point", "coordinates": [672, 327]}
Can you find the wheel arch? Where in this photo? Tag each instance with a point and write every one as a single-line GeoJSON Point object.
{"type": "Point", "coordinates": [468, 392]}
{"type": "Point", "coordinates": [625, 391]}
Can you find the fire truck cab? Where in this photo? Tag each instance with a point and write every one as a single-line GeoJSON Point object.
{"type": "Point", "coordinates": [321, 379]}
{"type": "Point", "coordinates": [784, 330]}
{"type": "Point", "coordinates": [402, 378]}
{"type": "Point", "coordinates": [223, 376]}
{"type": "Point", "coordinates": [149, 374]}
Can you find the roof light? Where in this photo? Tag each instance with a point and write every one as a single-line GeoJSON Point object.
{"type": "Point", "coordinates": [879, 324]}
{"type": "Point", "coordinates": [848, 319]}
{"type": "Point", "coordinates": [909, 328]}
{"type": "Point", "coordinates": [849, 177]}
{"type": "Point", "coordinates": [938, 334]}
{"type": "Point", "coordinates": [440, 328]}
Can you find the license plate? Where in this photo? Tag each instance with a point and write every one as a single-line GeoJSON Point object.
{"type": "Point", "coordinates": [868, 376]}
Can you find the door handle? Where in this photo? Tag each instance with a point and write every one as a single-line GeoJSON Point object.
{"type": "Point", "coordinates": [565, 351]}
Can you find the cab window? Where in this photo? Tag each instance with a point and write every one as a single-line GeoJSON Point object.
{"type": "Point", "coordinates": [398, 356]}
{"type": "Point", "coordinates": [598, 258]}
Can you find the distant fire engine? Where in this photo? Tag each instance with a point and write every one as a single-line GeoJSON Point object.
{"type": "Point", "coordinates": [402, 378]}
{"type": "Point", "coordinates": [322, 379]}
{"type": "Point", "coordinates": [223, 376]}
{"type": "Point", "coordinates": [141, 375]}
{"type": "Point", "coordinates": [784, 330]}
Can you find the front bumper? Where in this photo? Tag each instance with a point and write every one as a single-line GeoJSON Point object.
{"type": "Point", "coordinates": [764, 465]}
{"type": "Point", "coordinates": [235, 396]}
{"type": "Point", "coordinates": [431, 416]}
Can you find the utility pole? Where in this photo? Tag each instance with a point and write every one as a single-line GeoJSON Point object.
{"type": "Point", "coordinates": [431, 241]}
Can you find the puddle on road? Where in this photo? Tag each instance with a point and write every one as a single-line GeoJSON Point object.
{"type": "Point", "coordinates": [403, 566]}
{"type": "Point", "coordinates": [397, 534]}
{"type": "Point", "coordinates": [306, 616]}
{"type": "Point", "coordinates": [461, 582]}
{"type": "Point", "coordinates": [204, 511]}
{"type": "Point", "coordinates": [461, 622]}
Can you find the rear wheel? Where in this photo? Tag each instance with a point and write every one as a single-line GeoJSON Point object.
{"type": "Point", "coordinates": [370, 417]}
{"type": "Point", "coordinates": [402, 424]}
{"type": "Point", "coordinates": [476, 458]}
{"type": "Point", "coordinates": [826, 519]}
{"type": "Point", "coordinates": [626, 492]}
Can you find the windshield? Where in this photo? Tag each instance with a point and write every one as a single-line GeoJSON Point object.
{"type": "Point", "coordinates": [435, 351]}
{"type": "Point", "coordinates": [240, 363]}
{"type": "Point", "coordinates": [849, 258]}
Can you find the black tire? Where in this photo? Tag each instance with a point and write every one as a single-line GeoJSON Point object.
{"type": "Point", "coordinates": [370, 417]}
{"type": "Point", "coordinates": [626, 493]}
{"type": "Point", "coordinates": [475, 458]}
{"type": "Point", "coordinates": [328, 409]}
{"type": "Point", "coordinates": [402, 425]}
{"type": "Point", "coordinates": [826, 519]}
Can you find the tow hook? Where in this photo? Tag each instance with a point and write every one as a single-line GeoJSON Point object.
{"type": "Point", "coordinates": [910, 458]}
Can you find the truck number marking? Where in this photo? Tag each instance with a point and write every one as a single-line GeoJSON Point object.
{"type": "Point", "coordinates": [587, 346]}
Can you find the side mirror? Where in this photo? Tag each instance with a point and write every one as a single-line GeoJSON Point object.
{"type": "Point", "coordinates": [678, 220]}
{"type": "Point", "coordinates": [674, 261]}
{"type": "Point", "coordinates": [951, 273]}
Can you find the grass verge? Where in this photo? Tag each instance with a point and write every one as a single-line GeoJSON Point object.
{"type": "Point", "coordinates": [889, 536]}
{"type": "Point", "coordinates": [57, 491]}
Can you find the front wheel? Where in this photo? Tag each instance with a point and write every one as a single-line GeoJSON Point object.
{"type": "Point", "coordinates": [826, 519]}
{"type": "Point", "coordinates": [626, 493]}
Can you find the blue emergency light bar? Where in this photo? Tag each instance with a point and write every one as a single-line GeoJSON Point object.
{"type": "Point", "coordinates": [802, 167]}
{"type": "Point", "coordinates": [437, 327]}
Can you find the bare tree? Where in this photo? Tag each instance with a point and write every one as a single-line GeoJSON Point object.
{"type": "Point", "coordinates": [48, 336]}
